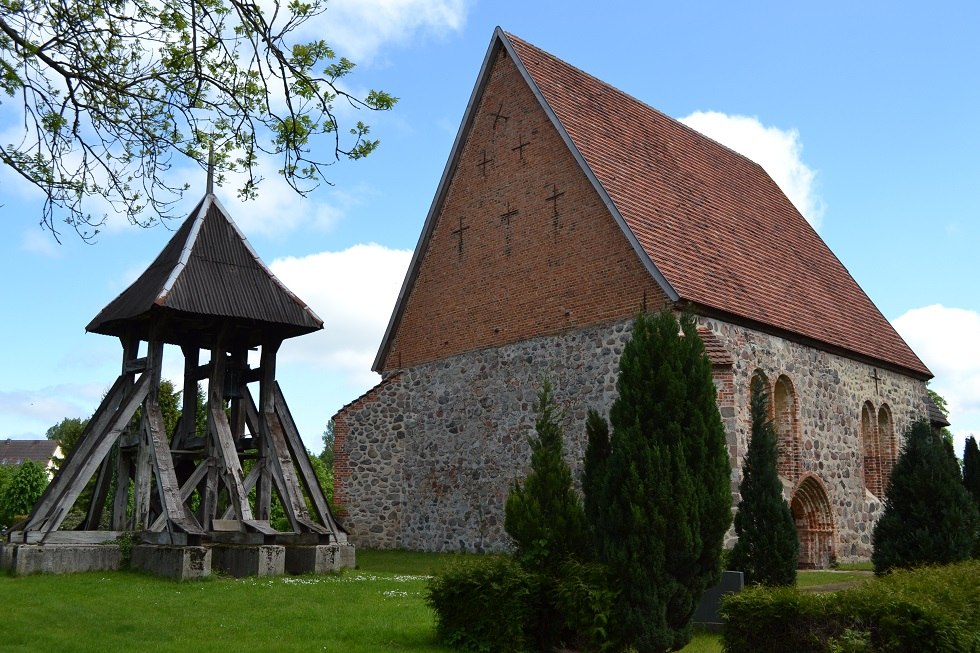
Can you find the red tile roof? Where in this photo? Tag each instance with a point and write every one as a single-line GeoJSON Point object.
{"type": "Point", "coordinates": [713, 223]}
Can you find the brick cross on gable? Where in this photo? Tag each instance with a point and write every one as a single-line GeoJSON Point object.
{"type": "Point", "coordinates": [510, 213]}
{"type": "Point", "coordinates": [498, 116]}
{"type": "Point", "coordinates": [482, 165]}
{"type": "Point", "coordinates": [459, 232]}
{"type": "Point", "coordinates": [520, 146]}
{"type": "Point", "coordinates": [554, 202]}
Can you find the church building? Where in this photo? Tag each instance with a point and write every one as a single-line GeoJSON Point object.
{"type": "Point", "coordinates": [565, 209]}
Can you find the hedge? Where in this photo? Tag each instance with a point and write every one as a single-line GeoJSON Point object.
{"type": "Point", "coordinates": [928, 609]}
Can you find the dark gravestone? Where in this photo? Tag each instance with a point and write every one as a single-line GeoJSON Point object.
{"type": "Point", "coordinates": [707, 614]}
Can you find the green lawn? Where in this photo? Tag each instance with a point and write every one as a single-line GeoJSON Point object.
{"type": "Point", "coordinates": [361, 610]}
{"type": "Point", "coordinates": [377, 607]}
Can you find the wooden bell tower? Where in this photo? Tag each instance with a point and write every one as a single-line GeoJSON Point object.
{"type": "Point", "coordinates": [210, 295]}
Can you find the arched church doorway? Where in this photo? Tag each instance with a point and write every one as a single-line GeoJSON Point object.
{"type": "Point", "coordinates": [814, 524]}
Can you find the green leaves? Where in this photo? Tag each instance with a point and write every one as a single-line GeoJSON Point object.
{"type": "Point", "coordinates": [113, 89]}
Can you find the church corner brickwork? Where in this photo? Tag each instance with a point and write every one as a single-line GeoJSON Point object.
{"type": "Point", "coordinates": [525, 273]}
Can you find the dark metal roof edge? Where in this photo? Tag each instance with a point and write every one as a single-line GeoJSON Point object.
{"type": "Point", "coordinates": [251, 250]}
{"type": "Point", "coordinates": [437, 201]}
{"type": "Point", "coordinates": [185, 251]}
{"type": "Point", "coordinates": [644, 257]}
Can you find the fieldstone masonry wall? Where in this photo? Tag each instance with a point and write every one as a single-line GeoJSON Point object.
{"type": "Point", "coordinates": [426, 459]}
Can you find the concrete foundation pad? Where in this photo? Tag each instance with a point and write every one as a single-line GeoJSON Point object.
{"type": "Point", "coordinates": [240, 561]}
{"type": "Point", "coordinates": [321, 559]}
{"type": "Point", "coordinates": [177, 562]}
{"type": "Point", "coordinates": [26, 559]}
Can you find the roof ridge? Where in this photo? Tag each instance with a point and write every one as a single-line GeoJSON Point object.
{"type": "Point", "coordinates": [633, 98]}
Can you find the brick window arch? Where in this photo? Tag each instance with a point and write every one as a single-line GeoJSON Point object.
{"type": "Point", "coordinates": [873, 478]}
{"type": "Point", "coordinates": [785, 416]}
{"type": "Point", "coordinates": [887, 446]}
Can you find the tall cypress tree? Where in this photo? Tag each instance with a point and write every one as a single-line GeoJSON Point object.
{"type": "Point", "coordinates": [665, 488]}
{"type": "Point", "coordinates": [971, 469]}
{"type": "Point", "coordinates": [929, 517]}
{"type": "Point", "coordinates": [768, 550]}
{"type": "Point", "coordinates": [971, 481]}
{"type": "Point", "coordinates": [594, 472]}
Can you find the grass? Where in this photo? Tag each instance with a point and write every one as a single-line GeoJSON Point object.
{"type": "Point", "coordinates": [808, 578]}
{"type": "Point", "coordinates": [379, 606]}
{"type": "Point", "coordinates": [358, 611]}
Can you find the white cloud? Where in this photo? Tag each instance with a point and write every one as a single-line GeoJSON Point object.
{"type": "Point", "coordinates": [358, 29]}
{"type": "Point", "coordinates": [32, 412]}
{"type": "Point", "coordinates": [777, 151]}
{"type": "Point", "coordinates": [948, 342]}
{"type": "Point", "coordinates": [354, 293]}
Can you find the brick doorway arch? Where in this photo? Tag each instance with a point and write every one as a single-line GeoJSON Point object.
{"type": "Point", "coordinates": [814, 524]}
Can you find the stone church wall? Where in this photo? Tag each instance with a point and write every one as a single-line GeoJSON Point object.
{"type": "Point", "coordinates": [426, 459]}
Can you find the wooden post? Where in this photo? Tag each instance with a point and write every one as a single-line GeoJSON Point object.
{"type": "Point", "coordinates": [224, 445]}
{"type": "Point", "coordinates": [283, 470]}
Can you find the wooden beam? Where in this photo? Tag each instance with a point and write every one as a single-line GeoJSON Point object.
{"type": "Point", "coordinates": [142, 478]}
{"type": "Point", "coordinates": [186, 490]}
{"type": "Point", "coordinates": [263, 487]}
{"type": "Point", "coordinates": [224, 445]}
{"type": "Point", "coordinates": [99, 494]}
{"type": "Point", "coordinates": [306, 474]}
{"type": "Point", "coordinates": [168, 489]}
{"type": "Point", "coordinates": [120, 502]}
{"type": "Point", "coordinates": [109, 421]}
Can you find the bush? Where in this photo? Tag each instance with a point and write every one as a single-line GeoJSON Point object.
{"type": "Point", "coordinates": [584, 599]}
{"type": "Point", "coordinates": [911, 530]}
{"type": "Point", "coordinates": [929, 609]}
{"type": "Point", "coordinates": [483, 604]}
{"type": "Point", "coordinates": [22, 491]}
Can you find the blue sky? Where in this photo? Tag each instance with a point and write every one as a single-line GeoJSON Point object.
{"type": "Point", "coordinates": [866, 113]}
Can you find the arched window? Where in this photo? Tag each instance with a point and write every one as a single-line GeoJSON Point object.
{"type": "Point", "coordinates": [872, 450]}
{"type": "Point", "coordinates": [784, 414]}
{"type": "Point", "coordinates": [887, 446]}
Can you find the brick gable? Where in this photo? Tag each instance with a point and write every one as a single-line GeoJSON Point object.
{"type": "Point", "coordinates": [520, 244]}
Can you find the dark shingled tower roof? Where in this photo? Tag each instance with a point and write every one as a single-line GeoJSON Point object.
{"type": "Point", "coordinates": [207, 280]}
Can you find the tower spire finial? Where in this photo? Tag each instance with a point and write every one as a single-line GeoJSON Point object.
{"type": "Point", "coordinates": [210, 169]}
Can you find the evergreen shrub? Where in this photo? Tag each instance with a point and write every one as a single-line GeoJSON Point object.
{"type": "Point", "coordinates": [767, 550]}
{"type": "Point", "coordinates": [483, 604]}
{"type": "Point", "coordinates": [664, 486]}
{"type": "Point", "coordinates": [928, 609]}
{"type": "Point", "coordinates": [929, 517]}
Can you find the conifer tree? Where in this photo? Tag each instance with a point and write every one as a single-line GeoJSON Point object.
{"type": "Point", "coordinates": [544, 515]}
{"type": "Point", "coordinates": [929, 517]}
{"type": "Point", "coordinates": [768, 550]}
{"type": "Point", "coordinates": [665, 489]}
{"type": "Point", "coordinates": [596, 457]}
{"type": "Point", "coordinates": [971, 469]}
{"type": "Point", "coordinates": [971, 481]}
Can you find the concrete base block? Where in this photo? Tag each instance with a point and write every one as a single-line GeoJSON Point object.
{"type": "Point", "coordinates": [240, 561]}
{"type": "Point", "coordinates": [322, 559]}
{"type": "Point", "coordinates": [177, 562]}
{"type": "Point", "coordinates": [25, 559]}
